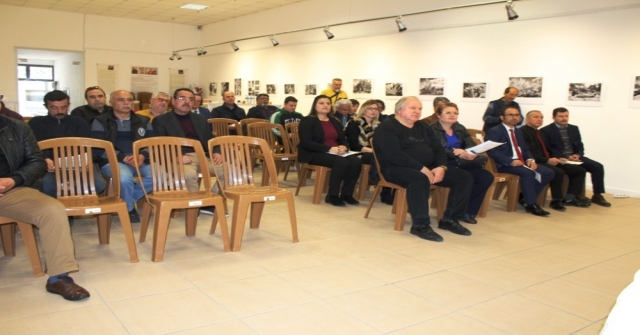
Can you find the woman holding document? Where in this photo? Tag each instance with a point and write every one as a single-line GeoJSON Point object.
{"type": "Point", "coordinates": [322, 142]}
{"type": "Point", "coordinates": [455, 139]}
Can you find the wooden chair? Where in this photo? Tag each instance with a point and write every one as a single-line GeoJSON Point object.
{"type": "Point", "coordinates": [239, 185]}
{"type": "Point", "coordinates": [291, 130]}
{"type": "Point", "coordinates": [76, 189]}
{"type": "Point", "coordinates": [474, 135]}
{"type": "Point", "coordinates": [170, 191]}
{"type": "Point", "coordinates": [321, 183]}
{"type": "Point", "coordinates": [242, 125]}
{"type": "Point", "coordinates": [8, 232]}
{"type": "Point", "coordinates": [363, 182]}
{"type": "Point", "coordinates": [500, 180]}
{"type": "Point", "coordinates": [220, 126]}
{"type": "Point", "coordinates": [282, 154]}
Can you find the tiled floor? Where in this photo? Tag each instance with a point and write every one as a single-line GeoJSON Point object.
{"type": "Point", "coordinates": [517, 274]}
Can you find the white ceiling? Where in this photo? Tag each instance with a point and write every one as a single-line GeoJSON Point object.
{"type": "Point", "coordinates": [157, 10]}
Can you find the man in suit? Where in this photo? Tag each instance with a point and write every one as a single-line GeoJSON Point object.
{"type": "Point", "coordinates": [559, 166]}
{"type": "Point", "coordinates": [229, 110]}
{"type": "Point", "coordinates": [496, 108]}
{"type": "Point", "coordinates": [514, 157]}
{"type": "Point", "coordinates": [197, 108]}
{"type": "Point", "coordinates": [181, 122]}
{"type": "Point", "coordinates": [563, 140]}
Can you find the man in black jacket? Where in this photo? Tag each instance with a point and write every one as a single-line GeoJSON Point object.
{"type": "Point", "coordinates": [180, 122]}
{"type": "Point", "coordinates": [564, 141]}
{"type": "Point", "coordinates": [411, 156]}
{"type": "Point", "coordinates": [496, 108]}
{"type": "Point", "coordinates": [229, 110]}
{"type": "Point", "coordinates": [96, 104]}
{"type": "Point", "coordinates": [122, 127]}
{"type": "Point", "coordinates": [57, 123]}
{"type": "Point", "coordinates": [21, 165]}
{"type": "Point", "coordinates": [560, 166]}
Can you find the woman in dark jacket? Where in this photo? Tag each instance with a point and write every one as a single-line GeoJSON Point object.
{"type": "Point", "coordinates": [455, 139]}
{"type": "Point", "coordinates": [322, 142]}
{"type": "Point", "coordinates": [360, 130]}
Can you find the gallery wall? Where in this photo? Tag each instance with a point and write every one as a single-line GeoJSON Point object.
{"type": "Point", "coordinates": [561, 41]}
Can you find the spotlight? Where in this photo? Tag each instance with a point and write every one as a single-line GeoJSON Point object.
{"type": "Point", "coordinates": [235, 48]}
{"type": "Point", "coordinates": [511, 14]}
{"type": "Point", "coordinates": [328, 33]}
{"type": "Point", "coordinates": [178, 56]}
{"type": "Point", "coordinates": [401, 26]}
{"type": "Point", "coordinates": [173, 56]}
{"type": "Point", "coordinates": [201, 51]}
{"type": "Point", "coordinates": [274, 41]}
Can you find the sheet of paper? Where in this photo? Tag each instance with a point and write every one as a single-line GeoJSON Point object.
{"type": "Point", "coordinates": [570, 162]}
{"type": "Point", "coordinates": [538, 175]}
{"type": "Point", "coordinates": [348, 153]}
{"type": "Point", "coordinates": [485, 146]}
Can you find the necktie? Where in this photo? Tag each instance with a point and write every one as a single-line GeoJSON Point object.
{"type": "Point", "coordinates": [544, 148]}
{"type": "Point", "coordinates": [515, 145]}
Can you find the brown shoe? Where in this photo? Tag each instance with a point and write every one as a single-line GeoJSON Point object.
{"type": "Point", "coordinates": [67, 289]}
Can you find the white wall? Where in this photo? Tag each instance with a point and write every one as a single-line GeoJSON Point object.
{"type": "Point", "coordinates": [563, 41]}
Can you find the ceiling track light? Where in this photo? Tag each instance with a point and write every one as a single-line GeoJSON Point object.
{"type": "Point", "coordinates": [173, 56]}
{"type": "Point", "coordinates": [201, 51]}
{"type": "Point", "coordinates": [328, 33]}
{"type": "Point", "coordinates": [511, 14]}
{"type": "Point", "coordinates": [235, 48]}
{"type": "Point", "coordinates": [274, 41]}
{"type": "Point", "coordinates": [178, 56]}
{"type": "Point", "coordinates": [401, 26]}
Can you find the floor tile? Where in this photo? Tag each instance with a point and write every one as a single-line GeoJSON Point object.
{"type": "Point", "coordinates": [501, 274]}
{"type": "Point", "coordinates": [454, 323]}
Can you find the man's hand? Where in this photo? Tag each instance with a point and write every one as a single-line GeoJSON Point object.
{"type": "Point", "coordinates": [574, 157]}
{"type": "Point", "coordinates": [6, 184]}
{"type": "Point", "coordinates": [532, 164]}
{"type": "Point", "coordinates": [429, 174]}
{"type": "Point", "coordinates": [517, 162]}
{"type": "Point", "coordinates": [129, 160]}
{"type": "Point", "coordinates": [216, 159]}
{"type": "Point", "coordinates": [553, 161]}
{"type": "Point", "coordinates": [438, 174]}
{"type": "Point", "coordinates": [366, 149]}
{"type": "Point", "coordinates": [50, 166]}
{"type": "Point", "coordinates": [334, 150]}
{"type": "Point", "coordinates": [186, 160]}
{"type": "Point", "coordinates": [140, 159]}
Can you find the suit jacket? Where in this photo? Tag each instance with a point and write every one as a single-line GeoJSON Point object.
{"type": "Point", "coordinates": [491, 116]}
{"type": "Point", "coordinates": [504, 153]}
{"type": "Point", "coordinates": [312, 137]}
{"type": "Point", "coordinates": [553, 140]}
{"type": "Point", "coordinates": [204, 112]}
{"type": "Point", "coordinates": [535, 146]}
{"type": "Point", "coordinates": [168, 124]}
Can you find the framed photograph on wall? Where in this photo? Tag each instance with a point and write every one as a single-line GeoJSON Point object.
{"type": "Point", "coordinates": [271, 89]}
{"type": "Point", "coordinates": [475, 91]}
{"type": "Point", "coordinates": [585, 93]}
{"type": "Point", "coordinates": [213, 88]}
{"type": "Point", "coordinates": [393, 89]}
{"type": "Point", "coordinates": [431, 87]}
{"type": "Point", "coordinates": [362, 86]}
{"type": "Point", "coordinates": [311, 89]}
{"type": "Point", "coordinates": [289, 88]}
{"type": "Point", "coordinates": [254, 87]}
{"type": "Point", "coordinates": [237, 86]}
{"type": "Point", "coordinates": [635, 92]}
{"type": "Point", "coordinates": [224, 86]}
{"type": "Point", "coordinates": [529, 89]}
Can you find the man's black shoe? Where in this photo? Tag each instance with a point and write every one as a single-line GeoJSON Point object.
{"type": "Point", "coordinates": [584, 199]}
{"type": "Point", "coordinates": [133, 216]}
{"type": "Point", "coordinates": [521, 200]}
{"type": "Point", "coordinates": [576, 203]}
{"type": "Point", "coordinates": [598, 199]}
{"type": "Point", "coordinates": [333, 200]}
{"type": "Point", "coordinates": [350, 200]}
{"type": "Point", "coordinates": [68, 289]}
{"type": "Point", "coordinates": [536, 210]}
{"type": "Point", "coordinates": [468, 218]}
{"type": "Point", "coordinates": [557, 205]}
{"type": "Point", "coordinates": [426, 233]}
{"type": "Point", "coordinates": [454, 227]}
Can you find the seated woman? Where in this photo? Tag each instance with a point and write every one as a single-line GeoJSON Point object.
{"type": "Point", "coordinates": [455, 138]}
{"type": "Point", "coordinates": [360, 130]}
{"type": "Point", "coordinates": [322, 141]}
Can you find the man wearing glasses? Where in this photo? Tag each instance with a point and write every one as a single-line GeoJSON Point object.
{"type": "Point", "coordinates": [514, 157]}
{"type": "Point", "coordinates": [96, 104]}
{"type": "Point", "coordinates": [157, 105]}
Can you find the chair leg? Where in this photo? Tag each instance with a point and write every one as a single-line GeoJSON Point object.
{"type": "Point", "coordinates": [256, 214]}
{"type": "Point", "coordinates": [292, 218]}
{"type": "Point", "coordinates": [401, 210]}
{"type": "Point", "coordinates": [104, 227]}
{"type": "Point", "coordinates": [146, 216]}
{"type": "Point", "coordinates": [319, 185]}
{"type": "Point", "coordinates": [302, 178]}
{"type": "Point", "coordinates": [123, 215]}
{"type": "Point", "coordinates": [237, 224]}
{"type": "Point", "coordinates": [160, 229]}
{"type": "Point", "coordinates": [224, 229]}
{"type": "Point", "coordinates": [485, 203]}
{"type": "Point", "coordinates": [373, 199]}
{"type": "Point", "coordinates": [512, 191]}
{"type": "Point", "coordinates": [498, 190]}
{"type": "Point", "coordinates": [190, 221]}
{"type": "Point", "coordinates": [363, 183]}
{"type": "Point", "coordinates": [29, 238]}
{"type": "Point", "coordinates": [8, 232]}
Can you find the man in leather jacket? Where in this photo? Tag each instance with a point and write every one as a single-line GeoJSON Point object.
{"type": "Point", "coordinates": [21, 165]}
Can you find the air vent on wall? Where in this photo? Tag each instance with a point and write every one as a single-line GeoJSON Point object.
{"type": "Point", "coordinates": [23, 60]}
{"type": "Point", "coordinates": [76, 63]}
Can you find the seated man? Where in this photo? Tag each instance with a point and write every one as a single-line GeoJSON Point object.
{"type": "Point", "coordinates": [58, 124]}
{"type": "Point", "coordinates": [121, 126]}
{"type": "Point", "coordinates": [496, 108]}
{"type": "Point", "coordinates": [229, 110]}
{"type": "Point", "coordinates": [157, 105]}
{"type": "Point", "coordinates": [286, 115]}
{"type": "Point", "coordinates": [433, 118]}
{"type": "Point", "coordinates": [543, 157]}
{"type": "Point", "coordinates": [96, 104]}
{"type": "Point", "coordinates": [342, 111]}
{"type": "Point", "coordinates": [21, 165]}
{"type": "Point", "coordinates": [411, 156]}
{"type": "Point", "coordinates": [262, 110]}
{"type": "Point", "coordinates": [563, 140]}
{"type": "Point", "coordinates": [514, 157]}
{"type": "Point", "coordinates": [180, 122]}
{"type": "Point", "coordinates": [197, 108]}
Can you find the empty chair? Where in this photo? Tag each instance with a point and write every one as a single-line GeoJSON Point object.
{"type": "Point", "coordinates": [222, 126]}
{"type": "Point", "coordinates": [281, 153]}
{"type": "Point", "coordinates": [242, 125]}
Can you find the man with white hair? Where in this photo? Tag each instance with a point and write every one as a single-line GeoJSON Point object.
{"type": "Point", "coordinates": [342, 111]}
{"type": "Point", "coordinates": [335, 92]}
{"type": "Point", "coordinates": [157, 105]}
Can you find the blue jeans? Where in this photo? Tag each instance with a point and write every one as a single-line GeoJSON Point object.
{"type": "Point", "coordinates": [49, 182]}
{"type": "Point", "coordinates": [130, 191]}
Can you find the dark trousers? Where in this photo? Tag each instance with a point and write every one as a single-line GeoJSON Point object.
{"type": "Point", "coordinates": [344, 170]}
{"type": "Point", "coordinates": [597, 174]}
{"type": "Point", "coordinates": [417, 184]}
{"type": "Point", "coordinates": [528, 183]}
{"type": "Point", "coordinates": [576, 176]}
{"type": "Point", "coordinates": [482, 180]}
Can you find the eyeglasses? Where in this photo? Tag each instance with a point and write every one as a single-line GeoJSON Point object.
{"type": "Point", "coordinates": [372, 109]}
{"type": "Point", "coordinates": [512, 115]}
{"type": "Point", "coordinates": [451, 113]}
{"type": "Point", "coordinates": [163, 100]}
{"type": "Point", "coordinates": [183, 98]}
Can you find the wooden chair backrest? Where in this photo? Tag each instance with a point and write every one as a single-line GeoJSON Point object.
{"type": "Point", "coordinates": [73, 158]}
{"type": "Point", "coordinates": [375, 159]}
{"type": "Point", "coordinates": [167, 167]}
{"type": "Point", "coordinates": [265, 131]}
{"type": "Point", "coordinates": [244, 122]}
{"type": "Point", "coordinates": [474, 134]}
{"type": "Point", "coordinates": [220, 126]}
{"type": "Point", "coordinates": [236, 159]}
{"type": "Point", "coordinates": [293, 128]}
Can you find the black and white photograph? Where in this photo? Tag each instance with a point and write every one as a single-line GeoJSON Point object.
{"type": "Point", "coordinates": [237, 86]}
{"type": "Point", "coordinates": [634, 102]}
{"type": "Point", "coordinates": [254, 87]}
{"type": "Point", "coordinates": [585, 91]}
{"type": "Point", "coordinates": [474, 90]}
{"type": "Point", "coordinates": [393, 89]}
{"type": "Point", "coordinates": [431, 86]}
{"type": "Point", "coordinates": [289, 89]}
{"type": "Point", "coordinates": [528, 87]}
{"type": "Point", "coordinates": [224, 87]}
{"type": "Point", "coordinates": [213, 88]}
{"type": "Point", "coordinates": [271, 89]}
{"type": "Point", "coordinates": [362, 86]}
{"type": "Point", "coordinates": [310, 89]}
{"type": "Point", "coordinates": [636, 89]}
